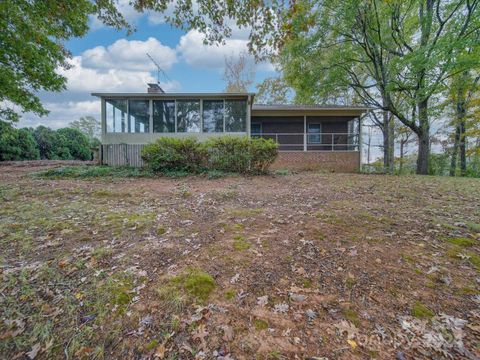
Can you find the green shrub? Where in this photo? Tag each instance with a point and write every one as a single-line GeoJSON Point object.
{"type": "Point", "coordinates": [171, 154]}
{"type": "Point", "coordinates": [219, 155]}
{"type": "Point", "coordinates": [240, 154]}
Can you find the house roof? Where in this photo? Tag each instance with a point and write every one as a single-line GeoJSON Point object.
{"type": "Point", "coordinates": [172, 95]}
{"type": "Point", "coordinates": [310, 110]}
{"type": "Point", "coordinates": [307, 107]}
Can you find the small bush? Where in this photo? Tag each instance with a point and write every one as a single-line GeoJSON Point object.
{"type": "Point", "coordinates": [174, 155]}
{"type": "Point", "coordinates": [240, 154]}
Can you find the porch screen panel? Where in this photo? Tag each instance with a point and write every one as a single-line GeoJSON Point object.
{"type": "Point", "coordinates": [139, 116]}
{"type": "Point", "coordinates": [116, 115]}
{"type": "Point", "coordinates": [163, 116]}
{"type": "Point", "coordinates": [235, 115]}
{"type": "Point", "coordinates": [188, 116]}
{"type": "Point", "coordinates": [213, 112]}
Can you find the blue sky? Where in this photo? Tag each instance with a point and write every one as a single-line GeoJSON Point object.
{"type": "Point", "coordinates": [107, 60]}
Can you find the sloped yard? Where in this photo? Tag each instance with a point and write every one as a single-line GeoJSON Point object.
{"type": "Point", "coordinates": [300, 266]}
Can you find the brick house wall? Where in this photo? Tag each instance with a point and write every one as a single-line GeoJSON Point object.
{"type": "Point", "coordinates": [338, 161]}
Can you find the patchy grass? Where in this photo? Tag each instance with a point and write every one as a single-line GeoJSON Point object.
{"type": "Point", "coordinates": [118, 267]}
{"type": "Point", "coordinates": [83, 172]}
{"type": "Point", "coordinates": [195, 283]}
{"type": "Point", "coordinates": [462, 241]}
{"type": "Point", "coordinates": [421, 311]}
{"type": "Point", "coordinates": [240, 243]}
{"type": "Point", "coordinates": [473, 227]}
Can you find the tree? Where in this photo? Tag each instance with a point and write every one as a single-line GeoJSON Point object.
{"type": "Point", "coordinates": [76, 142]}
{"type": "Point", "coordinates": [16, 144]}
{"type": "Point", "coordinates": [47, 141]}
{"type": "Point", "coordinates": [461, 93]}
{"type": "Point", "coordinates": [32, 37]}
{"type": "Point", "coordinates": [273, 90]}
{"type": "Point", "coordinates": [381, 49]}
{"type": "Point", "coordinates": [238, 74]}
{"type": "Point", "coordinates": [90, 127]}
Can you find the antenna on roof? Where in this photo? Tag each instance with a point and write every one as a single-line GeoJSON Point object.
{"type": "Point", "coordinates": [159, 69]}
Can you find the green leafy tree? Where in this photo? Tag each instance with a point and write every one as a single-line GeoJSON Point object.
{"type": "Point", "coordinates": [47, 141]}
{"type": "Point", "coordinates": [394, 55]}
{"type": "Point", "coordinates": [32, 37]}
{"type": "Point", "coordinates": [16, 144]}
{"type": "Point", "coordinates": [76, 142]}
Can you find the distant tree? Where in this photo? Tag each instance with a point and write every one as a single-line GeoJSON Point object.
{"type": "Point", "coordinates": [16, 144]}
{"type": "Point", "coordinates": [88, 125]}
{"type": "Point", "coordinates": [273, 90]}
{"type": "Point", "coordinates": [76, 142]}
{"type": "Point", "coordinates": [32, 37]}
{"type": "Point", "coordinates": [238, 74]}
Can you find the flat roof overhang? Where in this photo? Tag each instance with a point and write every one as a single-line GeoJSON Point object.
{"type": "Point", "coordinates": [173, 95]}
{"type": "Point", "coordinates": [322, 112]}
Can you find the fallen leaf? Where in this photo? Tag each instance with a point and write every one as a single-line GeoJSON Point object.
{"type": "Point", "coordinates": [262, 300]}
{"type": "Point", "coordinates": [160, 351]}
{"type": "Point", "coordinates": [352, 343]}
{"type": "Point", "coordinates": [228, 334]}
{"type": "Point", "coordinates": [32, 354]}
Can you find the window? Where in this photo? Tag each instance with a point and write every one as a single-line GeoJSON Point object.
{"type": "Point", "coordinates": [213, 115]}
{"type": "Point", "coordinates": [188, 116]}
{"type": "Point", "coordinates": [235, 115]}
{"type": "Point", "coordinates": [116, 115]}
{"type": "Point", "coordinates": [139, 116]}
{"type": "Point", "coordinates": [256, 129]}
{"type": "Point", "coordinates": [314, 136]}
{"type": "Point", "coordinates": [163, 116]}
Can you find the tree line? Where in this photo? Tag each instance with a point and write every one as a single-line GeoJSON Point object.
{"type": "Point", "coordinates": [71, 143]}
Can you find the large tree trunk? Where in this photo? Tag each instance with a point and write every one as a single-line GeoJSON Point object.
{"type": "Point", "coordinates": [388, 142]}
{"type": "Point", "coordinates": [423, 138]}
{"type": "Point", "coordinates": [453, 162]}
{"type": "Point", "coordinates": [463, 148]}
{"type": "Point", "coordinates": [402, 146]}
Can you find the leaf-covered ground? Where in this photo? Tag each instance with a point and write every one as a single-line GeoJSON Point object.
{"type": "Point", "coordinates": [310, 265]}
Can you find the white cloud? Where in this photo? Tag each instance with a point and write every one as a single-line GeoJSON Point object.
{"type": "Point", "coordinates": [195, 53]}
{"type": "Point", "coordinates": [130, 55]}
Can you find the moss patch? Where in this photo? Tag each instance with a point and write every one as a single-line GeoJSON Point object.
{"type": "Point", "coordinates": [260, 324]}
{"type": "Point", "coordinates": [351, 316]}
{"type": "Point", "coordinates": [421, 311]}
{"type": "Point", "coordinates": [196, 283]}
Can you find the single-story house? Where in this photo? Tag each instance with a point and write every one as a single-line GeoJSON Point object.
{"type": "Point", "coordinates": [309, 136]}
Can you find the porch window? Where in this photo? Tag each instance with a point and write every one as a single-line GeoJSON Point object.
{"type": "Point", "coordinates": [314, 136]}
{"type": "Point", "coordinates": [163, 116]}
{"type": "Point", "coordinates": [256, 129]}
{"type": "Point", "coordinates": [116, 115]}
{"type": "Point", "coordinates": [213, 114]}
{"type": "Point", "coordinates": [139, 116]}
{"type": "Point", "coordinates": [235, 115]}
{"type": "Point", "coordinates": [188, 116]}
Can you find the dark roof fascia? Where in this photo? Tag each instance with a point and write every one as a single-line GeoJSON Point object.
{"type": "Point", "coordinates": [172, 95]}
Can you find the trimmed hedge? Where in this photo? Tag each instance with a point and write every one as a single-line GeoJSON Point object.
{"type": "Point", "coordinates": [237, 154]}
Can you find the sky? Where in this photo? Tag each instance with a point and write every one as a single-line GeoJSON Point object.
{"type": "Point", "coordinates": [107, 60]}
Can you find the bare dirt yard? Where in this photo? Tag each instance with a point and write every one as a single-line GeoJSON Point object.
{"type": "Point", "coordinates": [302, 266]}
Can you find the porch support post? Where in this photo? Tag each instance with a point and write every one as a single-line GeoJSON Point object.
{"type": "Point", "coordinates": [304, 132]}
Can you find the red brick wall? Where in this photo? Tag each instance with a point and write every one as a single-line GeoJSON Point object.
{"type": "Point", "coordinates": [338, 161]}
